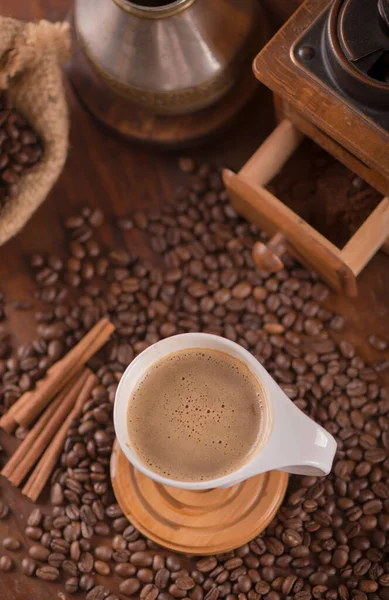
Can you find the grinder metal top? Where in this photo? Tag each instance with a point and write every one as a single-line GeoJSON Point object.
{"type": "Point", "coordinates": [327, 64]}
{"type": "Point", "coordinates": [350, 53]}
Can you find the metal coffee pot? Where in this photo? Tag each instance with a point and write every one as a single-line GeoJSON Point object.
{"type": "Point", "coordinates": [171, 57]}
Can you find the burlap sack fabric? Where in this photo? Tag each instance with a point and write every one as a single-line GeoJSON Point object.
{"type": "Point", "coordinates": [31, 56]}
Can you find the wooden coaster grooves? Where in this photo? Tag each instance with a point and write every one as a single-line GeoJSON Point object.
{"type": "Point", "coordinates": [204, 522]}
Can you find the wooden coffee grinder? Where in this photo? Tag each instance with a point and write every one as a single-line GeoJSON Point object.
{"type": "Point", "coordinates": [329, 70]}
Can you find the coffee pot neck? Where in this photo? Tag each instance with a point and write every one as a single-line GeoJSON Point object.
{"type": "Point", "coordinates": [153, 9]}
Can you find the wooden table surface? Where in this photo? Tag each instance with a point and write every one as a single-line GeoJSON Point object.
{"type": "Point", "coordinates": [119, 177]}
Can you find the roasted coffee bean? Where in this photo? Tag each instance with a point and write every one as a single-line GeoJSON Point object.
{"type": "Point", "coordinates": [275, 546]}
{"type": "Point", "coordinates": [158, 562]}
{"type": "Point", "coordinates": [39, 552]}
{"type": "Point", "coordinates": [187, 165]}
{"type": "Point", "coordinates": [244, 583]}
{"type": "Point", "coordinates": [101, 567]}
{"type": "Point", "coordinates": [368, 585]}
{"type": "Point", "coordinates": [48, 542]}
{"type": "Point", "coordinates": [125, 570]}
{"type": "Point", "coordinates": [137, 546]}
{"type": "Point", "coordinates": [377, 342]}
{"type": "Point", "coordinates": [35, 518]}
{"type": "Point", "coordinates": [196, 593]}
{"type": "Point", "coordinates": [129, 587]}
{"type": "Point", "coordinates": [85, 563]}
{"type": "Point", "coordinates": [162, 578]}
{"type": "Point", "coordinates": [165, 596]}
{"type": "Point", "coordinates": [130, 534]}
{"type": "Point", "coordinates": [149, 592]}
{"type": "Point", "coordinates": [101, 528]}
{"type": "Point", "coordinates": [302, 595]}
{"type": "Point", "coordinates": [6, 563]}
{"type": "Point", "coordinates": [60, 522]}
{"type": "Point", "coordinates": [47, 573]}
{"type": "Point", "coordinates": [121, 556]}
{"type": "Point", "coordinates": [87, 582]}
{"type": "Point", "coordinates": [75, 550]}
{"type": "Point", "coordinates": [87, 515]}
{"type": "Point", "coordinates": [145, 575]}
{"type": "Point", "coordinates": [185, 583]}
{"type": "Point", "coordinates": [142, 559]}
{"type": "Point", "coordinates": [103, 553]}
{"type": "Point", "coordinates": [120, 523]}
{"type": "Point", "coordinates": [71, 585]}
{"type": "Point", "coordinates": [222, 577]}
{"type": "Point", "coordinates": [11, 543]}
{"type": "Point", "coordinates": [96, 217]}
{"type": "Point", "coordinates": [125, 224]}
{"type": "Point", "coordinates": [57, 495]}
{"type": "Point", "coordinates": [55, 559]}
{"type": "Point", "coordinates": [74, 222]}
{"type": "Point", "coordinates": [236, 573]}
{"type": "Point", "coordinates": [70, 567]}
{"type": "Point", "coordinates": [233, 563]}
{"type": "Point", "coordinates": [340, 558]}
{"type": "Point", "coordinates": [99, 592]}
{"type": "Point", "coordinates": [28, 566]}
{"type": "Point", "coordinates": [33, 533]}
{"type": "Point", "coordinates": [58, 545]}
{"type": "Point", "coordinates": [206, 565]}
{"type": "Point", "coordinates": [291, 538]}
{"type": "Point", "coordinates": [176, 592]}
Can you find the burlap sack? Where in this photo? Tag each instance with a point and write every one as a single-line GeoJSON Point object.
{"type": "Point", "coordinates": [31, 56]}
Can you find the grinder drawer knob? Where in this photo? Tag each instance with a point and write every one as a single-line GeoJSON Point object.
{"type": "Point", "coordinates": [267, 257]}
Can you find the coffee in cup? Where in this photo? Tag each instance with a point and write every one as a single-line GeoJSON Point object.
{"type": "Point", "coordinates": [196, 415]}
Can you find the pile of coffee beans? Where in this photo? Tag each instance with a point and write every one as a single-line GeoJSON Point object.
{"type": "Point", "coordinates": [20, 148]}
{"type": "Point", "coordinates": [330, 539]}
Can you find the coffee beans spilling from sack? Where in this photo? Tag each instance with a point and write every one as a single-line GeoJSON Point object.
{"type": "Point", "coordinates": [32, 55]}
{"type": "Point", "coordinates": [20, 148]}
{"type": "Point", "coordinates": [330, 539]}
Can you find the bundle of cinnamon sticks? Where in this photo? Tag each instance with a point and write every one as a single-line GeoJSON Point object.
{"type": "Point", "coordinates": [62, 392]}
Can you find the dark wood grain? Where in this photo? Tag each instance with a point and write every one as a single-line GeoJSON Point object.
{"type": "Point", "coordinates": [119, 177]}
{"type": "Point", "coordinates": [280, 10]}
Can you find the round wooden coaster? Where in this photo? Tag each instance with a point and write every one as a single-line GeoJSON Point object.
{"type": "Point", "coordinates": [196, 522]}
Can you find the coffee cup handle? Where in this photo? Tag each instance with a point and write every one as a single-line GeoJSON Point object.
{"type": "Point", "coordinates": [296, 444]}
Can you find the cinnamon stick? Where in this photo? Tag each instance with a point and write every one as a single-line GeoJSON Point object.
{"type": "Point", "coordinates": [34, 433]}
{"type": "Point", "coordinates": [7, 422]}
{"type": "Point", "coordinates": [44, 431]}
{"type": "Point", "coordinates": [44, 468]}
{"type": "Point", "coordinates": [31, 403]}
{"type": "Point", "coordinates": [64, 369]}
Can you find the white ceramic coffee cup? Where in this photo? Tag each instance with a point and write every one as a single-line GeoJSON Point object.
{"type": "Point", "coordinates": [290, 441]}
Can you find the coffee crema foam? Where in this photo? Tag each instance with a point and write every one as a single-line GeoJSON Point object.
{"type": "Point", "coordinates": [195, 415]}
